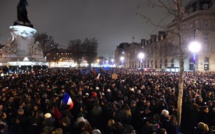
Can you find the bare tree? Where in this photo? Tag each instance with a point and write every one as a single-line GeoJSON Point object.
{"type": "Point", "coordinates": [76, 48]}
{"type": "Point", "coordinates": [174, 8]}
{"type": "Point", "coordinates": [46, 42]}
{"type": "Point", "coordinates": [52, 55]}
{"type": "Point", "coordinates": [90, 50]}
{"type": "Point", "coordinates": [83, 49]}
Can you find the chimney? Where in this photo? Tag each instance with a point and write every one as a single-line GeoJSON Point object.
{"type": "Point", "coordinates": [154, 38]}
{"type": "Point", "coordinates": [143, 41]}
{"type": "Point", "coordinates": [161, 34]}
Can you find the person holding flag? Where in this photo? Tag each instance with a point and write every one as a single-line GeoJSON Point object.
{"type": "Point", "coordinates": [67, 100]}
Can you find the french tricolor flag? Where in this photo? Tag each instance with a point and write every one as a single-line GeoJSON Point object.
{"type": "Point", "coordinates": [68, 100]}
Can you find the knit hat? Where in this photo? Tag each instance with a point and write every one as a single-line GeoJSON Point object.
{"type": "Point", "coordinates": [96, 131]}
{"type": "Point", "coordinates": [94, 94]}
{"type": "Point", "coordinates": [47, 115]}
{"type": "Point", "coordinates": [108, 90]}
{"type": "Point", "coordinates": [132, 89]}
{"type": "Point", "coordinates": [87, 94]}
{"type": "Point", "coordinates": [139, 91]}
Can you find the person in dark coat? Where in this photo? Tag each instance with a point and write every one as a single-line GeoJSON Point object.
{"type": "Point", "coordinates": [110, 127]}
{"type": "Point", "coordinates": [164, 118]}
{"type": "Point", "coordinates": [48, 123]}
{"type": "Point", "coordinates": [95, 116]}
{"type": "Point", "coordinates": [3, 128]}
{"type": "Point", "coordinates": [172, 126]}
{"type": "Point", "coordinates": [20, 123]}
{"type": "Point", "coordinates": [212, 117]}
{"type": "Point", "coordinates": [119, 115]}
{"type": "Point", "coordinates": [204, 115]}
{"type": "Point", "coordinates": [65, 124]}
{"type": "Point", "coordinates": [36, 123]}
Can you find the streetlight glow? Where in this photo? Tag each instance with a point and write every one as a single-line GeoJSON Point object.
{"type": "Point", "coordinates": [122, 58]}
{"type": "Point", "coordinates": [141, 55]}
{"type": "Point", "coordinates": [194, 47]}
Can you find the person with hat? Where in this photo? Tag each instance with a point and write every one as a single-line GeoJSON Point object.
{"type": "Point", "coordinates": [48, 123]}
{"type": "Point", "coordinates": [96, 131]}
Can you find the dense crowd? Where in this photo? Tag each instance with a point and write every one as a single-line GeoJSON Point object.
{"type": "Point", "coordinates": [128, 102]}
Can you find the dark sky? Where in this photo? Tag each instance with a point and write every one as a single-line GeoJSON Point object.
{"type": "Point", "coordinates": [111, 22]}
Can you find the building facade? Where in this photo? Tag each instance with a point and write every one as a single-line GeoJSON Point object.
{"type": "Point", "coordinates": [60, 58]}
{"type": "Point", "coordinates": [162, 50]}
{"type": "Point", "coordinates": [126, 55]}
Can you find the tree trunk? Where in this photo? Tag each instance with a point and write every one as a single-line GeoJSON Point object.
{"type": "Point", "coordinates": [181, 75]}
{"type": "Point", "coordinates": [180, 91]}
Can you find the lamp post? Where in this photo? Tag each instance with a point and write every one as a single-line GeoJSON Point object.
{"type": "Point", "coordinates": [98, 62]}
{"type": "Point", "coordinates": [122, 58]}
{"type": "Point", "coordinates": [141, 56]}
{"type": "Point", "coordinates": [194, 47]}
{"type": "Point", "coordinates": [112, 60]}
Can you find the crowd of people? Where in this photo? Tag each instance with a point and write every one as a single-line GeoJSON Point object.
{"type": "Point", "coordinates": [106, 101]}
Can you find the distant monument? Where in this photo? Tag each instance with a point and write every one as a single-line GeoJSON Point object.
{"type": "Point", "coordinates": [22, 14]}
{"type": "Point", "coordinates": [21, 49]}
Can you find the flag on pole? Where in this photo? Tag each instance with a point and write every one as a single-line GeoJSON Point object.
{"type": "Point", "coordinates": [68, 100]}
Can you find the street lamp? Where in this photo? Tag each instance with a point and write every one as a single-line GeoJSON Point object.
{"type": "Point", "coordinates": [141, 56]}
{"type": "Point", "coordinates": [194, 47]}
{"type": "Point", "coordinates": [112, 60]}
{"type": "Point", "coordinates": [122, 58]}
{"type": "Point", "coordinates": [98, 62]}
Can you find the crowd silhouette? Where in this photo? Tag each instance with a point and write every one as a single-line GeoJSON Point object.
{"type": "Point", "coordinates": [131, 102]}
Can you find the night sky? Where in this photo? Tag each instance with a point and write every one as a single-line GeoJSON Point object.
{"type": "Point", "coordinates": [111, 22]}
